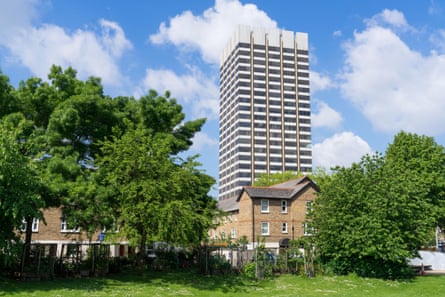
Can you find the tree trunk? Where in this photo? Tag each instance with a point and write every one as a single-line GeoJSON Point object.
{"type": "Point", "coordinates": [27, 245]}
{"type": "Point", "coordinates": [140, 257]}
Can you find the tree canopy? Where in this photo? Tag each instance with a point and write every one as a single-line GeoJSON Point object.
{"type": "Point", "coordinates": [103, 160]}
{"type": "Point", "coordinates": [372, 217]}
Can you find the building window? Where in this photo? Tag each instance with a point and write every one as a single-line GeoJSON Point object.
{"type": "Point", "coordinates": [67, 227]}
{"type": "Point", "coordinates": [308, 208]}
{"type": "Point", "coordinates": [35, 225]}
{"type": "Point", "coordinates": [264, 205]}
{"type": "Point", "coordinates": [223, 234]}
{"type": "Point", "coordinates": [284, 206]}
{"type": "Point", "coordinates": [308, 228]}
{"type": "Point", "coordinates": [284, 227]}
{"type": "Point", "coordinates": [233, 233]}
{"type": "Point", "coordinates": [265, 228]}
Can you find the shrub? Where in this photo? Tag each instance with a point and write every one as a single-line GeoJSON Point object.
{"type": "Point", "coordinates": [249, 270]}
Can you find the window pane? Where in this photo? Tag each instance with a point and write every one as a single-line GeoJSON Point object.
{"type": "Point", "coordinates": [265, 228]}
{"type": "Point", "coordinates": [264, 205]}
{"type": "Point", "coordinates": [284, 227]}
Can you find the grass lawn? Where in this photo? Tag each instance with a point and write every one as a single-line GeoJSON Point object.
{"type": "Point", "coordinates": [190, 284]}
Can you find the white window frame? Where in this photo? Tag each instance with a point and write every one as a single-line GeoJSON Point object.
{"type": "Point", "coordinates": [64, 227]}
{"type": "Point", "coordinates": [264, 205]}
{"type": "Point", "coordinates": [233, 233]}
{"type": "Point", "coordinates": [35, 225]}
{"type": "Point", "coordinates": [283, 206]}
{"type": "Point", "coordinates": [307, 229]}
{"type": "Point", "coordinates": [284, 228]}
{"type": "Point", "coordinates": [265, 228]}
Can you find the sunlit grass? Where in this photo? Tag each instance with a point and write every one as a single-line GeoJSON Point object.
{"type": "Point", "coordinates": [191, 284]}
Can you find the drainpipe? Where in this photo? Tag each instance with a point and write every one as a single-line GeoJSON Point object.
{"type": "Point", "coordinates": [253, 224]}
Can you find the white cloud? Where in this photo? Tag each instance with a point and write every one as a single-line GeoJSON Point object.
{"type": "Point", "coordinates": [195, 89]}
{"type": "Point", "coordinates": [208, 33]}
{"type": "Point", "coordinates": [339, 150]}
{"type": "Point", "coordinates": [16, 14]}
{"type": "Point", "coordinates": [37, 48]}
{"type": "Point", "coordinates": [113, 38]}
{"type": "Point", "coordinates": [320, 82]}
{"type": "Point", "coordinates": [434, 9]}
{"type": "Point", "coordinates": [326, 116]}
{"type": "Point", "coordinates": [393, 18]}
{"type": "Point", "coordinates": [395, 87]}
{"type": "Point", "coordinates": [202, 140]}
{"type": "Point", "coordinates": [337, 33]}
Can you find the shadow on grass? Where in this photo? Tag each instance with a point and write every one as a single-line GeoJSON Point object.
{"type": "Point", "coordinates": [150, 280]}
{"type": "Point", "coordinates": [224, 283]}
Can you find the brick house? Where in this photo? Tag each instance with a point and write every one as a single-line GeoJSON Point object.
{"type": "Point", "coordinates": [58, 235]}
{"type": "Point", "coordinates": [278, 213]}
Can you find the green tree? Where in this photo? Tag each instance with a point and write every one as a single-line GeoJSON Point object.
{"type": "Point", "coordinates": [162, 114]}
{"type": "Point", "coordinates": [159, 199]}
{"type": "Point", "coordinates": [19, 193]}
{"type": "Point", "coordinates": [374, 216]}
{"type": "Point", "coordinates": [417, 164]}
{"type": "Point", "coordinates": [266, 179]}
{"type": "Point", "coordinates": [8, 104]}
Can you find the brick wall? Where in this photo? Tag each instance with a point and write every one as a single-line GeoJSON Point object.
{"type": "Point", "coordinates": [294, 217]}
{"type": "Point", "coordinates": [51, 231]}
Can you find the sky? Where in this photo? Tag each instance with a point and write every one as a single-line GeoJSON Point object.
{"type": "Point", "coordinates": [377, 67]}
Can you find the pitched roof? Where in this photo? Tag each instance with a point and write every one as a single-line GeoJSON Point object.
{"type": "Point", "coordinates": [290, 183]}
{"type": "Point", "coordinates": [230, 204]}
{"type": "Point", "coordinates": [275, 192]}
{"type": "Point", "coordinates": [285, 190]}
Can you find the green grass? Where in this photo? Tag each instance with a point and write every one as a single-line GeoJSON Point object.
{"type": "Point", "coordinates": [191, 284]}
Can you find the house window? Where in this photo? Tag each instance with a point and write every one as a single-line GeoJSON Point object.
{"type": "Point", "coordinates": [284, 206]}
{"type": "Point", "coordinates": [284, 227]}
{"type": "Point", "coordinates": [223, 234]}
{"type": "Point", "coordinates": [35, 225]}
{"type": "Point", "coordinates": [265, 228]}
{"type": "Point", "coordinates": [233, 233]}
{"type": "Point", "coordinates": [308, 228]}
{"type": "Point", "coordinates": [264, 205]}
{"type": "Point", "coordinates": [66, 227]}
{"type": "Point", "coordinates": [308, 207]}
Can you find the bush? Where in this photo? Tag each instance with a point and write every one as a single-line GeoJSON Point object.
{"type": "Point", "coordinates": [249, 270]}
{"type": "Point", "coordinates": [369, 267]}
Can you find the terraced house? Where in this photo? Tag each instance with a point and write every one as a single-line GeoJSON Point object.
{"type": "Point", "coordinates": [278, 213]}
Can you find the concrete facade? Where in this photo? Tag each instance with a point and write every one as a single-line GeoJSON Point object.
{"type": "Point", "coordinates": [265, 114]}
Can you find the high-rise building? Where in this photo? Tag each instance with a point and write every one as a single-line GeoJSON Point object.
{"type": "Point", "coordinates": [265, 116]}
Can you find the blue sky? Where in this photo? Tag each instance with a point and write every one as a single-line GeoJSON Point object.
{"type": "Point", "coordinates": [377, 67]}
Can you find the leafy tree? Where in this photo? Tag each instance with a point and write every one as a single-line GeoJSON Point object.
{"type": "Point", "coordinates": [159, 199]}
{"type": "Point", "coordinates": [103, 158]}
{"type": "Point", "coordinates": [162, 114]}
{"type": "Point", "coordinates": [276, 178]}
{"type": "Point", "coordinates": [372, 217]}
{"type": "Point", "coordinates": [8, 104]}
{"type": "Point", "coordinates": [19, 192]}
{"type": "Point", "coordinates": [417, 164]}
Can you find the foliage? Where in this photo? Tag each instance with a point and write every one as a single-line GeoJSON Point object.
{"type": "Point", "coordinates": [19, 192]}
{"type": "Point", "coordinates": [374, 216]}
{"type": "Point", "coordinates": [266, 179]}
{"type": "Point", "coordinates": [249, 270]}
{"type": "Point", "coordinates": [64, 134]}
{"type": "Point", "coordinates": [308, 255]}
